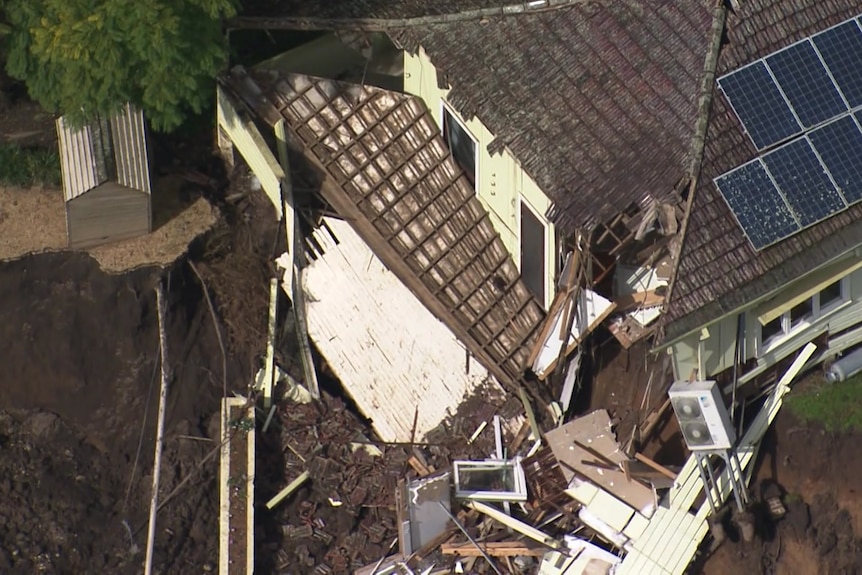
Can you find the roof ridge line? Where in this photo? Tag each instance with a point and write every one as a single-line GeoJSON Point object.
{"type": "Point", "coordinates": [382, 24]}
{"type": "Point", "coordinates": [698, 143]}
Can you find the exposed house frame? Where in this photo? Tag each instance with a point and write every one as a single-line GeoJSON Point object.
{"type": "Point", "coordinates": [389, 174]}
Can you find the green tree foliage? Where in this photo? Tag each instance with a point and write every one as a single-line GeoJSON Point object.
{"type": "Point", "coordinates": [88, 57]}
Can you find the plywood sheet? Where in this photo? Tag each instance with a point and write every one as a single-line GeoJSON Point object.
{"type": "Point", "coordinates": [389, 351]}
{"type": "Point", "coordinates": [594, 431]}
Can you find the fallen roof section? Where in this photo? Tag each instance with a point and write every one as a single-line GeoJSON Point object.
{"type": "Point", "coordinates": [392, 368]}
{"type": "Point", "coordinates": [391, 176]}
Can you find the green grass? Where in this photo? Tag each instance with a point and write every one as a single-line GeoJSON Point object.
{"type": "Point", "coordinates": [24, 167]}
{"type": "Point", "coordinates": [836, 406]}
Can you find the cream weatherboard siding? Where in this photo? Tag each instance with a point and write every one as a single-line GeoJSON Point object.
{"type": "Point", "coordinates": [711, 351]}
{"type": "Point", "coordinates": [501, 183]}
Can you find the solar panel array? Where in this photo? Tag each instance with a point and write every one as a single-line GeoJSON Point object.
{"type": "Point", "coordinates": [805, 97]}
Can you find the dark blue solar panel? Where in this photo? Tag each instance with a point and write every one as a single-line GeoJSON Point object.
{"type": "Point", "coordinates": [804, 182]}
{"type": "Point", "coordinates": [757, 204]}
{"type": "Point", "coordinates": [839, 144]}
{"type": "Point", "coordinates": [807, 85]}
{"type": "Point", "coordinates": [841, 48]}
{"type": "Point", "coordinates": [759, 105]}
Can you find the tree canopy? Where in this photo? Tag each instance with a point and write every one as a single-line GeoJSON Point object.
{"type": "Point", "coordinates": [89, 57]}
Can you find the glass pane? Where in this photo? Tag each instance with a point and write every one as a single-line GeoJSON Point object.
{"type": "Point", "coordinates": [487, 479]}
{"type": "Point", "coordinates": [771, 330]}
{"type": "Point", "coordinates": [461, 145]}
{"type": "Point", "coordinates": [830, 295]}
{"type": "Point", "coordinates": [801, 312]}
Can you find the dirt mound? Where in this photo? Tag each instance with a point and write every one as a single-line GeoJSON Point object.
{"type": "Point", "coordinates": [80, 352]}
{"type": "Point", "coordinates": [816, 473]}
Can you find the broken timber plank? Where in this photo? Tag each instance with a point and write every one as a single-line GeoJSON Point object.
{"type": "Point", "coordinates": [516, 524]}
{"type": "Point", "coordinates": [269, 371]}
{"type": "Point", "coordinates": [294, 243]}
{"type": "Point", "coordinates": [658, 467]}
{"type": "Point", "coordinates": [652, 420]}
{"type": "Point", "coordinates": [498, 549]}
{"type": "Point", "coordinates": [418, 466]}
{"type": "Point", "coordinates": [291, 487]}
{"type": "Point", "coordinates": [635, 300]}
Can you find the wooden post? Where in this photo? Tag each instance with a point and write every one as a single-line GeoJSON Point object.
{"type": "Point", "coordinates": [294, 246]}
{"type": "Point", "coordinates": [268, 370]}
{"type": "Point", "coordinates": [160, 429]}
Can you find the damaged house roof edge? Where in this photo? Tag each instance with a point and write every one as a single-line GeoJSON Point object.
{"type": "Point", "coordinates": [242, 85]}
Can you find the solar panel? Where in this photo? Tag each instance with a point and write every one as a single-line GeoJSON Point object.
{"type": "Point", "coordinates": [807, 85]}
{"type": "Point", "coordinates": [759, 105]}
{"type": "Point", "coordinates": [839, 144]}
{"type": "Point", "coordinates": [803, 182]}
{"type": "Point", "coordinates": [841, 49]}
{"type": "Point", "coordinates": [757, 204]}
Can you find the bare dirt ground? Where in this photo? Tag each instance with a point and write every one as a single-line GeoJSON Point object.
{"type": "Point", "coordinates": [79, 387]}
{"type": "Point", "coordinates": [818, 474]}
{"type": "Point", "coordinates": [33, 221]}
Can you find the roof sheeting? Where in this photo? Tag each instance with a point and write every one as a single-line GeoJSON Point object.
{"type": "Point", "coordinates": [719, 271]}
{"type": "Point", "coordinates": [596, 101]}
{"type": "Point", "coordinates": [392, 355]}
{"type": "Point", "coordinates": [86, 163]}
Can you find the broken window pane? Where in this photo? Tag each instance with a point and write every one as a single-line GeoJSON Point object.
{"type": "Point", "coordinates": [771, 330]}
{"type": "Point", "coordinates": [461, 144]}
{"type": "Point", "coordinates": [490, 480]}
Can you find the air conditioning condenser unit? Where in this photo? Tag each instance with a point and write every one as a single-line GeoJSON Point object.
{"type": "Point", "coordinates": [702, 415]}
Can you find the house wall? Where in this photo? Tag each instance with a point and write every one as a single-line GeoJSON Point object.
{"type": "Point", "coordinates": [711, 351]}
{"type": "Point", "coordinates": [501, 183]}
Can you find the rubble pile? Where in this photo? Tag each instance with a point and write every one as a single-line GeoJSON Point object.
{"type": "Point", "coordinates": [344, 517]}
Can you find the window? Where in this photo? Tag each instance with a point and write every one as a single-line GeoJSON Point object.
{"type": "Point", "coordinates": [461, 144]}
{"type": "Point", "coordinates": [533, 252]}
{"type": "Point", "coordinates": [490, 480]}
{"type": "Point", "coordinates": [803, 313]}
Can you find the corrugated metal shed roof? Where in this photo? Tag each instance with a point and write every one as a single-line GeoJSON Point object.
{"type": "Point", "coordinates": [89, 157]}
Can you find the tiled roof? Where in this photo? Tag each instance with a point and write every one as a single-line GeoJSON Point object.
{"type": "Point", "coordinates": [367, 9]}
{"type": "Point", "coordinates": [596, 101]}
{"type": "Point", "coordinates": [718, 269]}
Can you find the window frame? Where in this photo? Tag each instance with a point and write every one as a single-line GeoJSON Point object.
{"type": "Point", "coordinates": [518, 477]}
{"type": "Point", "coordinates": [545, 245]}
{"type": "Point", "coordinates": [446, 108]}
{"type": "Point", "coordinates": [817, 313]}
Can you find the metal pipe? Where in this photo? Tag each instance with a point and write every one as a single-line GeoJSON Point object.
{"type": "Point", "coordinates": [706, 487]}
{"type": "Point", "coordinates": [160, 430]}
